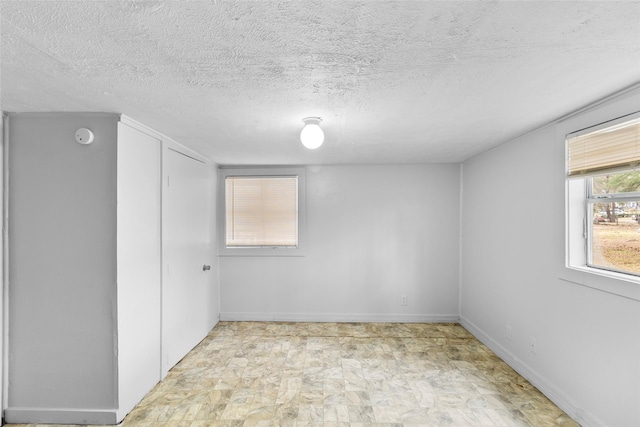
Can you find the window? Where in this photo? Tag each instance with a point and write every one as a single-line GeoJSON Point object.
{"type": "Point", "coordinates": [604, 178]}
{"type": "Point", "coordinates": [263, 211]}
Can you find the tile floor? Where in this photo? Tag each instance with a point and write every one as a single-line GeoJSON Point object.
{"type": "Point", "coordinates": [343, 374]}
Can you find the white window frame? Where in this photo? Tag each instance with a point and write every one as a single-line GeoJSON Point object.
{"type": "Point", "coordinates": [263, 171]}
{"type": "Point", "coordinates": [577, 216]}
{"type": "Point", "coordinates": [610, 198]}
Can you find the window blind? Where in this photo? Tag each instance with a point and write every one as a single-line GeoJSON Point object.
{"type": "Point", "coordinates": [615, 147]}
{"type": "Point", "coordinates": [261, 211]}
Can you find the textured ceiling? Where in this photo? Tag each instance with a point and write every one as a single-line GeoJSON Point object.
{"type": "Point", "coordinates": [394, 82]}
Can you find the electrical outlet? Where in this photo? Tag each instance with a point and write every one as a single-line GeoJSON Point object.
{"type": "Point", "coordinates": [403, 300]}
{"type": "Point", "coordinates": [508, 333]}
{"type": "Point", "coordinates": [532, 345]}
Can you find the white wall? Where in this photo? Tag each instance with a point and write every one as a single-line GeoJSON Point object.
{"type": "Point", "coordinates": [3, 403]}
{"type": "Point", "coordinates": [374, 233]}
{"type": "Point", "coordinates": [62, 272]}
{"type": "Point", "coordinates": [513, 273]}
{"type": "Point", "coordinates": [139, 265]}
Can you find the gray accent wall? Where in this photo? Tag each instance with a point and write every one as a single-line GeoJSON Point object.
{"type": "Point", "coordinates": [62, 270]}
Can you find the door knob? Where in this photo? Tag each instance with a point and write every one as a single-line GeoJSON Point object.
{"type": "Point", "coordinates": [206, 267]}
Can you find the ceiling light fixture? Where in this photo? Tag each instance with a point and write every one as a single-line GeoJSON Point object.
{"type": "Point", "coordinates": [312, 135]}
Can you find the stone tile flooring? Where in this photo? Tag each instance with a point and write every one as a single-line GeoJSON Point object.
{"type": "Point", "coordinates": [343, 374]}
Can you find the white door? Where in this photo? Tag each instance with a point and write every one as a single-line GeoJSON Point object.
{"type": "Point", "coordinates": [187, 295]}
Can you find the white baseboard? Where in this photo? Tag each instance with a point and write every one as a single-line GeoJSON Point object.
{"type": "Point", "coordinates": [338, 317]}
{"type": "Point", "coordinates": [59, 416]}
{"type": "Point", "coordinates": [547, 388]}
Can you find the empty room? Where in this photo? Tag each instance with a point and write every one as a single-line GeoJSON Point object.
{"type": "Point", "coordinates": [320, 213]}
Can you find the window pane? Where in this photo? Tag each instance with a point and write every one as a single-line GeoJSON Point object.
{"type": "Point", "coordinates": [615, 236]}
{"type": "Point", "coordinates": [261, 211]}
{"type": "Point", "coordinates": [628, 182]}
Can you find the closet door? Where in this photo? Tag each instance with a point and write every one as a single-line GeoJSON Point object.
{"type": "Point", "coordinates": [187, 296]}
{"type": "Point", "coordinates": [139, 265]}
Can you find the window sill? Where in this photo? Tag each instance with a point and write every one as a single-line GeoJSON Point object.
{"type": "Point", "coordinates": [269, 252]}
{"type": "Point", "coordinates": [620, 284]}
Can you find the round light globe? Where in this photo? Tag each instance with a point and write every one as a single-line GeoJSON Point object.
{"type": "Point", "coordinates": [312, 136]}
